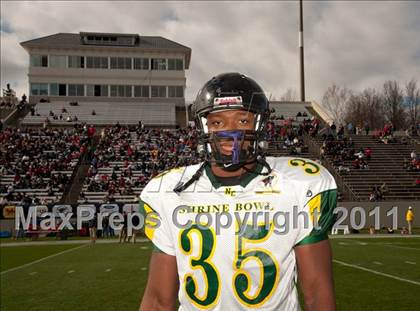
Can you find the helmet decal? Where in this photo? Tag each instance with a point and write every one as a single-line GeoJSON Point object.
{"type": "Point", "coordinates": [231, 91]}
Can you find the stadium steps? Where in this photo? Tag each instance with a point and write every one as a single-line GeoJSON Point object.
{"type": "Point", "coordinates": [385, 166]}
{"type": "Point", "coordinates": [71, 195]}
{"type": "Point", "coordinates": [313, 112]}
{"type": "Point", "coordinates": [5, 112]}
{"type": "Point", "coordinates": [16, 117]}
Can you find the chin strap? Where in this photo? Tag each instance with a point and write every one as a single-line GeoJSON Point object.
{"type": "Point", "coordinates": [182, 186]}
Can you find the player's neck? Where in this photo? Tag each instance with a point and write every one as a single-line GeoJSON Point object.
{"type": "Point", "coordinates": [218, 171]}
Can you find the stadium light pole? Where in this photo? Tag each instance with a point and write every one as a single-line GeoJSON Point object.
{"type": "Point", "coordinates": [301, 57]}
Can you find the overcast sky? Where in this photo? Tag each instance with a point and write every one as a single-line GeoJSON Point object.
{"type": "Point", "coordinates": [354, 44]}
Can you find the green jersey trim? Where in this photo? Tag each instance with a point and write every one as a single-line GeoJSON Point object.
{"type": "Point", "coordinates": [244, 182]}
{"type": "Point", "coordinates": [328, 202]}
{"type": "Point", "coordinates": [312, 239]}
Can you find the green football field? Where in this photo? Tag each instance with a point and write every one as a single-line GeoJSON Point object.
{"type": "Point", "coordinates": [370, 274]}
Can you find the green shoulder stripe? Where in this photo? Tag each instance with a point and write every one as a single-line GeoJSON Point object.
{"type": "Point", "coordinates": [325, 203]}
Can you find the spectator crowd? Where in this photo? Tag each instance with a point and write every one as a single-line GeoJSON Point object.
{"type": "Point", "coordinates": [39, 159]}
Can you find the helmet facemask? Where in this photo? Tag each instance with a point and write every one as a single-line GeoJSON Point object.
{"type": "Point", "coordinates": [246, 144]}
{"type": "Point", "coordinates": [230, 91]}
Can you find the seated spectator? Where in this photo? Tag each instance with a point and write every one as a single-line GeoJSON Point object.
{"type": "Point", "coordinates": [384, 188]}
{"type": "Point", "coordinates": [343, 169]}
{"type": "Point", "coordinates": [368, 153]}
{"type": "Point", "coordinates": [360, 154]}
{"type": "Point", "coordinates": [364, 165]}
{"type": "Point", "coordinates": [356, 164]}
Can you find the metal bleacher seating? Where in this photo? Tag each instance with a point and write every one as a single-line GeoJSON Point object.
{"type": "Point", "coordinates": [120, 165]}
{"type": "Point", "coordinates": [385, 166]}
{"type": "Point", "coordinates": [63, 152]}
{"type": "Point", "coordinates": [105, 113]}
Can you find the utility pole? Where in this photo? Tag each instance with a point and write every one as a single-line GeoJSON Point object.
{"type": "Point", "coordinates": [301, 57]}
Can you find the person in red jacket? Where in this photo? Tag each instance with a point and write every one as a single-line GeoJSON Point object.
{"type": "Point", "coordinates": [368, 153]}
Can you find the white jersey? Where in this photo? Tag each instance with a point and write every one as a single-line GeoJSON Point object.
{"type": "Point", "coordinates": [251, 262]}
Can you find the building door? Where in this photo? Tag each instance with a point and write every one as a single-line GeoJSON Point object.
{"type": "Point", "coordinates": [97, 90]}
{"type": "Point", "coordinates": [62, 90]}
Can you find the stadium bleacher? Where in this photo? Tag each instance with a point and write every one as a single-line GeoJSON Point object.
{"type": "Point", "coordinates": [126, 158]}
{"type": "Point", "coordinates": [105, 113]}
{"type": "Point", "coordinates": [385, 166]}
{"type": "Point", "coordinates": [290, 110]}
{"type": "Point", "coordinates": [37, 164]}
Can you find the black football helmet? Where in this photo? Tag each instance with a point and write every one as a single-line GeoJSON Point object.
{"type": "Point", "coordinates": [230, 91]}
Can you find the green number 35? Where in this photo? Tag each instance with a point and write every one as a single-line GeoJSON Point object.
{"type": "Point", "coordinates": [241, 281]}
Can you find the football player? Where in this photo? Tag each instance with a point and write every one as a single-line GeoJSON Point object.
{"type": "Point", "coordinates": [251, 259]}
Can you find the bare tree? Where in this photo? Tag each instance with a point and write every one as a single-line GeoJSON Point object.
{"type": "Point", "coordinates": [393, 104]}
{"type": "Point", "coordinates": [413, 101]}
{"type": "Point", "coordinates": [364, 108]}
{"type": "Point", "coordinates": [290, 95]}
{"type": "Point", "coordinates": [335, 102]}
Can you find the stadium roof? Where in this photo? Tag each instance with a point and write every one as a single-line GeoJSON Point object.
{"type": "Point", "coordinates": [75, 40]}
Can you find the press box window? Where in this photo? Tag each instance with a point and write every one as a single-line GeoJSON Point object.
{"type": "Point", "coordinates": [158, 91]}
{"type": "Point", "coordinates": [120, 63]}
{"type": "Point", "coordinates": [58, 89]}
{"type": "Point", "coordinates": [76, 90]}
{"type": "Point", "coordinates": [97, 90]}
{"type": "Point", "coordinates": [175, 64]}
{"type": "Point", "coordinates": [175, 91]}
{"type": "Point", "coordinates": [39, 60]}
{"type": "Point", "coordinates": [121, 91]}
{"type": "Point", "coordinates": [141, 63]}
{"type": "Point", "coordinates": [76, 62]}
{"type": "Point", "coordinates": [158, 63]}
{"type": "Point", "coordinates": [58, 61]}
{"type": "Point", "coordinates": [141, 91]}
{"type": "Point", "coordinates": [97, 62]}
{"type": "Point", "coordinates": [39, 88]}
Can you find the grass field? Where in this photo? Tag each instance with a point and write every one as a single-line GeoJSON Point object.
{"type": "Point", "coordinates": [370, 274]}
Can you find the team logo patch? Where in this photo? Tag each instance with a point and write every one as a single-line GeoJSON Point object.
{"type": "Point", "coordinates": [230, 100]}
{"type": "Point", "coordinates": [230, 192]}
{"type": "Point", "coordinates": [268, 186]}
{"type": "Point", "coordinates": [267, 181]}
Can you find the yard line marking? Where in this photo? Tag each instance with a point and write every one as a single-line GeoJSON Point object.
{"type": "Point", "coordinates": [410, 262]}
{"type": "Point", "coordinates": [144, 269]}
{"type": "Point", "coordinates": [376, 272]}
{"type": "Point", "coordinates": [403, 247]}
{"type": "Point", "coordinates": [42, 259]}
{"type": "Point", "coordinates": [358, 242]}
{"type": "Point", "coordinates": [70, 271]}
{"type": "Point", "coordinates": [343, 243]}
{"type": "Point", "coordinates": [33, 273]}
{"type": "Point", "coordinates": [144, 247]}
{"type": "Point", "coordinates": [377, 263]}
{"type": "Point", "coordinates": [107, 270]}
